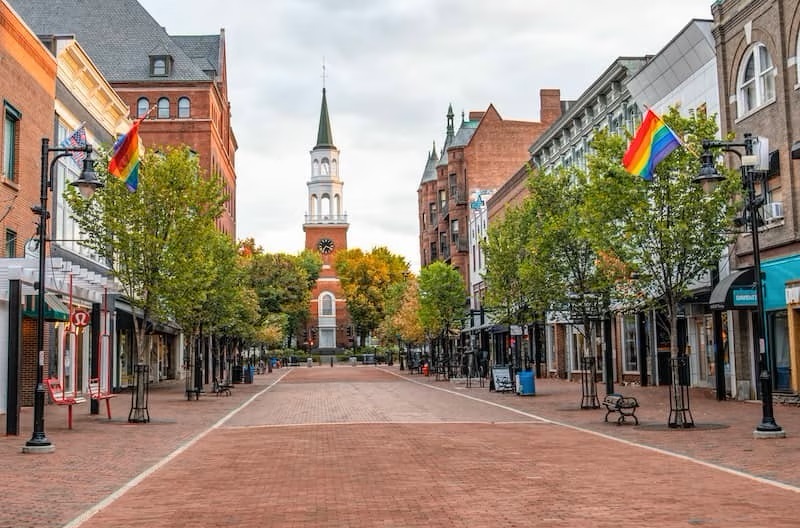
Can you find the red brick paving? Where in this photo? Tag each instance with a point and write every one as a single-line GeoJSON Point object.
{"type": "Point", "coordinates": [360, 446]}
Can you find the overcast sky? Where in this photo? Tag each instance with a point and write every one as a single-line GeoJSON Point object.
{"type": "Point", "coordinates": [393, 67]}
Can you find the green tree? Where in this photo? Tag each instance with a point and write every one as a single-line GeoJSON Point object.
{"type": "Point", "coordinates": [442, 299]}
{"type": "Point", "coordinates": [667, 231]}
{"type": "Point", "coordinates": [283, 284]}
{"type": "Point", "coordinates": [367, 279]}
{"type": "Point", "coordinates": [540, 256]}
{"type": "Point", "coordinates": [154, 239]}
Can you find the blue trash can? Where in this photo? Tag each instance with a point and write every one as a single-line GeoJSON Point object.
{"type": "Point", "coordinates": [526, 383]}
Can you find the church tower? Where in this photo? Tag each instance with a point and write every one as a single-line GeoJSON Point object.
{"type": "Point", "coordinates": [326, 233]}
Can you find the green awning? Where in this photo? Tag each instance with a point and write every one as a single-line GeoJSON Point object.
{"type": "Point", "coordinates": [54, 308]}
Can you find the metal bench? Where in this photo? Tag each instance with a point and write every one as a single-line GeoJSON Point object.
{"type": "Point", "coordinates": [96, 393]}
{"type": "Point", "coordinates": [221, 388]}
{"type": "Point", "coordinates": [58, 397]}
{"type": "Point", "coordinates": [624, 405]}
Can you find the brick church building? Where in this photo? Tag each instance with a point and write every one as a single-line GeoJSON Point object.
{"type": "Point", "coordinates": [326, 227]}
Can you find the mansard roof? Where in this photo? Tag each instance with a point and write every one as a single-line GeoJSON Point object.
{"type": "Point", "coordinates": [119, 36]}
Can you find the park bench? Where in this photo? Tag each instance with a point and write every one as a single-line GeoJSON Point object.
{"type": "Point", "coordinates": [221, 388]}
{"type": "Point", "coordinates": [624, 405]}
{"type": "Point", "coordinates": [96, 393]}
{"type": "Point", "coordinates": [58, 397]}
{"type": "Point", "coordinates": [193, 391]}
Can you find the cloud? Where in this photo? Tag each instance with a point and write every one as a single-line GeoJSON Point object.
{"type": "Point", "coordinates": [393, 67]}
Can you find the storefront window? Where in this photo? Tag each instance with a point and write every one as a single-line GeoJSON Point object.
{"type": "Point", "coordinates": [629, 342]}
{"type": "Point", "coordinates": [779, 330]}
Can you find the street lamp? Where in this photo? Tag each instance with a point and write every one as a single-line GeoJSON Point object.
{"type": "Point", "coordinates": [87, 183]}
{"type": "Point", "coordinates": [768, 428]}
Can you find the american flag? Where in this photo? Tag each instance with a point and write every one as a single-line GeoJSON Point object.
{"type": "Point", "coordinates": [75, 140]}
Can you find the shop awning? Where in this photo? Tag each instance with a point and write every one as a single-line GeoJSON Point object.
{"type": "Point", "coordinates": [54, 308]}
{"type": "Point", "coordinates": [736, 291]}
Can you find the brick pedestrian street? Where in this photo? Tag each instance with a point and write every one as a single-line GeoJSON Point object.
{"type": "Point", "coordinates": [375, 446]}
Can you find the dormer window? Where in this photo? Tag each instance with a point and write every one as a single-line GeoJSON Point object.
{"type": "Point", "coordinates": [160, 65]}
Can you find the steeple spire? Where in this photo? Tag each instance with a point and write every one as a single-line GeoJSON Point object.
{"type": "Point", "coordinates": [324, 135]}
{"type": "Point", "coordinates": [450, 128]}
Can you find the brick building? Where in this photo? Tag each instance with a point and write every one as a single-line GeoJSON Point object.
{"type": "Point", "coordinates": [326, 228]}
{"type": "Point", "coordinates": [484, 152]}
{"type": "Point", "coordinates": [45, 93]}
{"type": "Point", "coordinates": [757, 66]}
{"type": "Point", "coordinates": [183, 77]}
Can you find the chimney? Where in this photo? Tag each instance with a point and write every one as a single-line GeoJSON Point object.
{"type": "Point", "coordinates": [550, 105]}
{"type": "Point", "coordinates": [476, 116]}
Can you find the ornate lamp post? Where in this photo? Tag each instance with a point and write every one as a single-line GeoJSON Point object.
{"type": "Point", "coordinates": [768, 428]}
{"type": "Point", "coordinates": [87, 183]}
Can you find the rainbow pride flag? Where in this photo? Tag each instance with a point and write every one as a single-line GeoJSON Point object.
{"type": "Point", "coordinates": [124, 162]}
{"type": "Point", "coordinates": [651, 144]}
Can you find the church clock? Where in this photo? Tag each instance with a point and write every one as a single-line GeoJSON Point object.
{"type": "Point", "coordinates": [325, 245]}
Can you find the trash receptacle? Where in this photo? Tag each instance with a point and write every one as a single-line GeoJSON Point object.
{"type": "Point", "coordinates": [247, 374]}
{"type": "Point", "coordinates": [526, 383]}
{"type": "Point", "coordinates": [353, 361]}
{"type": "Point", "coordinates": [310, 362]}
{"type": "Point", "coordinates": [237, 374]}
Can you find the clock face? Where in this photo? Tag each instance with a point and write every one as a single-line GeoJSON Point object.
{"type": "Point", "coordinates": [325, 245]}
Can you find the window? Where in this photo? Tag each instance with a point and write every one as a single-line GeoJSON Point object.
{"type": "Point", "coordinates": [142, 106]}
{"type": "Point", "coordinates": [11, 118]}
{"type": "Point", "coordinates": [629, 342]}
{"type": "Point", "coordinates": [756, 86]}
{"type": "Point", "coordinates": [160, 65]}
{"type": "Point", "coordinates": [11, 243]}
{"type": "Point", "coordinates": [184, 107]}
{"type": "Point", "coordinates": [327, 304]}
{"type": "Point", "coordinates": [163, 108]}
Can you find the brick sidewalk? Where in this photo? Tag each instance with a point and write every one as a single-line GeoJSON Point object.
{"type": "Point", "coordinates": [723, 434]}
{"type": "Point", "coordinates": [98, 456]}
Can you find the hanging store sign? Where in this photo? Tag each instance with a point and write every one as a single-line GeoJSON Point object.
{"type": "Point", "coordinates": [79, 317]}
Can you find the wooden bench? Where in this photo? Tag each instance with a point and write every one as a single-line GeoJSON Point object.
{"type": "Point", "coordinates": [624, 405]}
{"type": "Point", "coordinates": [96, 393]}
{"type": "Point", "coordinates": [58, 397]}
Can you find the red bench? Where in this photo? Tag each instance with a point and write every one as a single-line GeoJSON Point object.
{"type": "Point", "coordinates": [95, 393]}
{"type": "Point", "coordinates": [58, 397]}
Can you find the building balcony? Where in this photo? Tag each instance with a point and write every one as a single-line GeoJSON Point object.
{"type": "Point", "coordinates": [460, 243]}
{"type": "Point", "coordinates": [326, 219]}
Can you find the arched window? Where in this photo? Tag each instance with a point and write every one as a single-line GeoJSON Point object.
{"type": "Point", "coordinates": [184, 107]}
{"type": "Point", "coordinates": [142, 106]}
{"type": "Point", "coordinates": [756, 81]}
{"type": "Point", "coordinates": [163, 108]}
{"type": "Point", "coordinates": [327, 304]}
{"type": "Point", "coordinates": [325, 206]}
{"type": "Point", "coordinates": [159, 65]}
{"type": "Point", "coordinates": [315, 168]}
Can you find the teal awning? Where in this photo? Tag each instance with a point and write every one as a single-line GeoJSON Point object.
{"type": "Point", "coordinates": [54, 308]}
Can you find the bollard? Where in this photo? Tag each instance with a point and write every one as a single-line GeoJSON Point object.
{"type": "Point", "coordinates": [331, 361]}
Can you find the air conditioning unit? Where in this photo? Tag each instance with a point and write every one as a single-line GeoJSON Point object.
{"type": "Point", "coordinates": [773, 212]}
